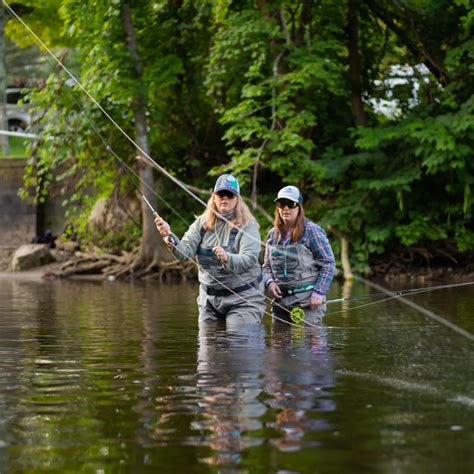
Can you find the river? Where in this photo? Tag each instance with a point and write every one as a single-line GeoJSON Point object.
{"type": "Point", "coordinates": [118, 377]}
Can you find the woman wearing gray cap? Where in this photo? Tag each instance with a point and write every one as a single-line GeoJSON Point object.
{"type": "Point", "coordinates": [226, 241]}
{"type": "Point", "coordinates": [299, 262]}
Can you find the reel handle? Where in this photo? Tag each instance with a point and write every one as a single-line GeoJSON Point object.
{"type": "Point", "coordinates": [170, 241]}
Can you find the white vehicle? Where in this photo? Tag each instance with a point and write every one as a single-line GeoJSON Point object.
{"type": "Point", "coordinates": [18, 116]}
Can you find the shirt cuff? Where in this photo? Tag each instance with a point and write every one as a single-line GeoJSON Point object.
{"type": "Point", "coordinates": [268, 281]}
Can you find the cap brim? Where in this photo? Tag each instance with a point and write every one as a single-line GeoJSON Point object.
{"type": "Point", "coordinates": [233, 191]}
{"type": "Point", "coordinates": [286, 198]}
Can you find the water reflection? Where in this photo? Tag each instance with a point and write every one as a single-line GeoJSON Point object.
{"type": "Point", "coordinates": [168, 347]}
{"type": "Point", "coordinates": [75, 375]}
{"type": "Point", "coordinates": [119, 377]}
{"type": "Point", "coordinates": [228, 385]}
{"type": "Point", "coordinates": [299, 376]}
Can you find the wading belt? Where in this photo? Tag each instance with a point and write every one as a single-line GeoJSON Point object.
{"type": "Point", "coordinates": [226, 292]}
{"type": "Point", "coordinates": [296, 290]}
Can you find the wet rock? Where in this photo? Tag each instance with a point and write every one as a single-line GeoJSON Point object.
{"type": "Point", "coordinates": [31, 256]}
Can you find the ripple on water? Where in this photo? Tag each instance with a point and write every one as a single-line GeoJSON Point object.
{"type": "Point", "coordinates": [107, 377]}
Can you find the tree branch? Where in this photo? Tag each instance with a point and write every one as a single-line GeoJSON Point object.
{"type": "Point", "coordinates": [415, 48]}
{"type": "Point", "coordinates": [207, 192]}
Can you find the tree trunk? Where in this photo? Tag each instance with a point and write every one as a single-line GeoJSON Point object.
{"type": "Point", "coordinates": [346, 264]}
{"type": "Point", "coordinates": [3, 84]}
{"type": "Point", "coordinates": [152, 246]}
{"type": "Point", "coordinates": [354, 64]}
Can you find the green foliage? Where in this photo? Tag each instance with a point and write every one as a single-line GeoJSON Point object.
{"type": "Point", "coordinates": [264, 87]}
{"type": "Point", "coordinates": [75, 134]}
{"type": "Point", "coordinates": [44, 19]}
{"type": "Point", "coordinates": [419, 229]}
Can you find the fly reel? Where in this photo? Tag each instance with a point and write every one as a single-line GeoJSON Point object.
{"type": "Point", "coordinates": [297, 315]}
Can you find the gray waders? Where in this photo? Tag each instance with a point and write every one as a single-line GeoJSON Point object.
{"type": "Point", "coordinates": [237, 298]}
{"type": "Point", "coordinates": [295, 270]}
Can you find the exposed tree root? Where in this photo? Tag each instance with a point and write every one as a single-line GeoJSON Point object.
{"type": "Point", "coordinates": [127, 266]}
{"type": "Point", "coordinates": [433, 261]}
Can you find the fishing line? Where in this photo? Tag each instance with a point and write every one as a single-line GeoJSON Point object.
{"type": "Point", "coordinates": [403, 294]}
{"type": "Point", "coordinates": [393, 295]}
{"type": "Point", "coordinates": [131, 174]}
{"type": "Point", "coordinates": [124, 133]}
{"type": "Point", "coordinates": [177, 181]}
{"type": "Point", "coordinates": [384, 300]}
{"type": "Point", "coordinates": [297, 312]}
{"type": "Point", "coordinates": [428, 313]}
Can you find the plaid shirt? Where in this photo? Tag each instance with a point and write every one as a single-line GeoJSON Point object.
{"type": "Point", "coordinates": [316, 240]}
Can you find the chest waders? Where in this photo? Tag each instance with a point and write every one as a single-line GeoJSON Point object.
{"type": "Point", "coordinates": [294, 270]}
{"type": "Point", "coordinates": [228, 284]}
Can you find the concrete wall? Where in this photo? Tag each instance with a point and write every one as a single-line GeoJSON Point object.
{"type": "Point", "coordinates": [54, 213]}
{"type": "Point", "coordinates": [17, 217]}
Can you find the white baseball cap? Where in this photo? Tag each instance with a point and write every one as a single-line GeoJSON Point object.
{"type": "Point", "coordinates": [292, 193]}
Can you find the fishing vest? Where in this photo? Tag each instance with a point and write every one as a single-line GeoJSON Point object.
{"type": "Point", "coordinates": [294, 267]}
{"type": "Point", "coordinates": [224, 276]}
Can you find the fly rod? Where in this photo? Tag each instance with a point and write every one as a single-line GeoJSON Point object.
{"type": "Point", "coordinates": [297, 313]}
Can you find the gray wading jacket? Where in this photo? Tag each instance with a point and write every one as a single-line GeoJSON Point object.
{"type": "Point", "coordinates": [242, 266]}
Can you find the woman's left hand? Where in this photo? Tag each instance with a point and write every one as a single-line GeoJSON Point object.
{"type": "Point", "coordinates": [315, 301]}
{"type": "Point", "coordinates": [221, 254]}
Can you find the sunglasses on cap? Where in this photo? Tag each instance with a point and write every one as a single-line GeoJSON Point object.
{"type": "Point", "coordinates": [227, 194]}
{"type": "Point", "coordinates": [282, 203]}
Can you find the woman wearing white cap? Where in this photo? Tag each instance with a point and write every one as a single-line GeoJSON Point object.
{"type": "Point", "coordinates": [299, 262]}
{"type": "Point", "coordinates": [227, 251]}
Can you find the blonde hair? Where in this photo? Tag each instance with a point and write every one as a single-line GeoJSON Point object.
{"type": "Point", "coordinates": [297, 231]}
{"type": "Point", "coordinates": [242, 217]}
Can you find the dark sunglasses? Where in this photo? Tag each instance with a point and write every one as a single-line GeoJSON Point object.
{"type": "Point", "coordinates": [227, 194]}
{"type": "Point", "coordinates": [282, 203]}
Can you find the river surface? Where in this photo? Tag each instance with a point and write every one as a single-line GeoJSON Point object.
{"type": "Point", "coordinates": [106, 377]}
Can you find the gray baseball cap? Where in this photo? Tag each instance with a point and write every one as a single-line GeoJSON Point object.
{"type": "Point", "coordinates": [227, 182]}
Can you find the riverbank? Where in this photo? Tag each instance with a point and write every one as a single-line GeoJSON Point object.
{"type": "Point", "coordinates": [37, 273]}
{"type": "Point", "coordinates": [459, 274]}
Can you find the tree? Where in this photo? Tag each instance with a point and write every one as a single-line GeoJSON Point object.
{"type": "Point", "coordinates": [410, 176]}
{"type": "Point", "coordinates": [114, 47]}
{"type": "Point", "coordinates": [275, 91]}
{"type": "Point", "coordinates": [3, 83]}
{"type": "Point", "coordinates": [289, 109]}
{"type": "Point", "coordinates": [149, 250]}
{"type": "Point", "coordinates": [270, 78]}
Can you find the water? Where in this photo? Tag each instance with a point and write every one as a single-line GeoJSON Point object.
{"type": "Point", "coordinates": [115, 377]}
